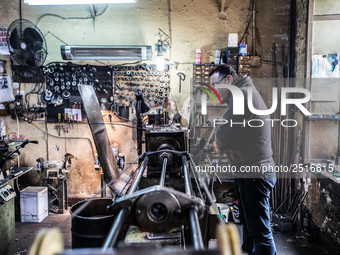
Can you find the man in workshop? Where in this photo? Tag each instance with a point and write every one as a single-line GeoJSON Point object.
{"type": "Point", "coordinates": [247, 146]}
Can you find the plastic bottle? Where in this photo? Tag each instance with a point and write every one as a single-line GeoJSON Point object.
{"type": "Point", "coordinates": [198, 56]}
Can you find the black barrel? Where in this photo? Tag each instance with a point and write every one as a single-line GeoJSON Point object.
{"type": "Point", "coordinates": [91, 225]}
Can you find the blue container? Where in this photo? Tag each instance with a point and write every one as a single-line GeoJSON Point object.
{"type": "Point", "coordinates": [242, 49]}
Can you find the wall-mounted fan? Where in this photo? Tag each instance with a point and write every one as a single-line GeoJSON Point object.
{"type": "Point", "coordinates": [26, 43]}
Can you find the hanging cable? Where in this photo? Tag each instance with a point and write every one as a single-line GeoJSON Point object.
{"type": "Point", "coordinates": [67, 18]}
{"type": "Point", "coordinates": [251, 18]}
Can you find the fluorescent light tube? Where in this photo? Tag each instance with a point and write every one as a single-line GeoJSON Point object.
{"type": "Point", "coordinates": [68, 2]}
{"type": "Point", "coordinates": [106, 52]}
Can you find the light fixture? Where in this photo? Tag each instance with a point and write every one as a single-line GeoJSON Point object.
{"type": "Point", "coordinates": [68, 2]}
{"type": "Point", "coordinates": [106, 52]}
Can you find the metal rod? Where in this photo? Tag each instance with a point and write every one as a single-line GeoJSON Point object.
{"type": "Point", "coordinates": [197, 184]}
{"type": "Point", "coordinates": [188, 189]}
{"type": "Point", "coordinates": [102, 184]}
{"type": "Point", "coordinates": [183, 238]}
{"type": "Point", "coordinates": [209, 160]}
{"type": "Point", "coordinates": [196, 233]}
{"type": "Point", "coordinates": [210, 200]}
{"type": "Point", "coordinates": [165, 162]}
{"type": "Point", "coordinates": [112, 237]}
{"type": "Point", "coordinates": [52, 188]}
{"type": "Point", "coordinates": [139, 176]}
{"type": "Point", "coordinates": [211, 136]}
{"type": "Point", "coordinates": [253, 30]}
{"type": "Point", "coordinates": [139, 127]}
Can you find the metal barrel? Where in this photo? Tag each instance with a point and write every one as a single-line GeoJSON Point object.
{"type": "Point", "coordinates": [91, 225]}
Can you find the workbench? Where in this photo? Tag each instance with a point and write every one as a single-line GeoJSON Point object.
{"type": "Point", "coordinates": [7, 211]}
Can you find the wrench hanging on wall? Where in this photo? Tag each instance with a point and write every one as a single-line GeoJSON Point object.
{"type": "Point", "coordinates": [181, 78]}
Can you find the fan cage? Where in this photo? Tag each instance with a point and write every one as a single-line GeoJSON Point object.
{"type": "Point", "coordinates": [38, 52]}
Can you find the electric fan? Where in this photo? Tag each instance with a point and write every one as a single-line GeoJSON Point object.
{"type": "Point", "coordinates": [26, 43]}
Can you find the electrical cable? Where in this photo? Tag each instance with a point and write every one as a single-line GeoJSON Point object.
{"type": "Point", "coordinates": [271, 62]}
{"type": "Point", "coordinates": [37, 91]}
{"type": "Point", "coordinates": [251, 17]}
{"type": "Point", "coordinates": [120, 117]}
{"type": "Point", "coordinates": [68, 137]}
{"type": "Point", "coordinates": [20, 11]}
{"type": "Point", "coordinates": [18, 130]}
{"type": "Point", "coordinates": [32, 118]}
{"type": "Point", "coordinates": [66, 18]}
{"type": "Point", "coordinates": [169, 25]}
{"type": "Point", "coordinates": [49, 32]}
{"type": "Point", "coordinates": [47, 152]}
{"type": "Point", "coordinates": [132, 175]}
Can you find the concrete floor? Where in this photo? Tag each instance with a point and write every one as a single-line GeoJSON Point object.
{"type": "Point", "coordinates": [25, 233]}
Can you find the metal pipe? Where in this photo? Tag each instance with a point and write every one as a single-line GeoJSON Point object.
{"type": "Point", "coordinates": [139, 176]}
{"type": "Point", "coordinates": [253, 30]}
{"type": "Point", "coordinates": [211, 136]}
{"type": "Point", "coordinates": [165, 162]}
{"type": "Point", "coordinates": [52, 188]}
{"type": "Point", "coordinates": [102, 184]}
{"type": "Point", "coordinates": [112, 237]}
{"type": "Point", "coordinates": [101, 139]}
{"type": "Point", "coordinates": [197, 184]}
{"type": "Point", "coordinates": [139, 127]}
{"type": "Point", "coordinates": [188, 189]}
{"type": "Point", "coordinates": [210, 200]}
{"type": "Point", "coordinates": [196, 233]}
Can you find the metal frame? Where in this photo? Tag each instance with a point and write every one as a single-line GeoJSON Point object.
{"type": "Point", "coordinates": [59, 192]}
{"type": "Point", "coordinates": [306, 122]}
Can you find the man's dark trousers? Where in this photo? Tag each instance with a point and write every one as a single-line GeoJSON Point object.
{"type": "Point", "coordinates": [254, 212]}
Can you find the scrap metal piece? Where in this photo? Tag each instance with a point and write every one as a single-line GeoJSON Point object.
{"type": "Point", "coordinates": [101, 140]}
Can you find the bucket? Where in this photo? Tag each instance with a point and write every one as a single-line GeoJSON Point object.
{"type": "Point", "coordinates": [91, 225]}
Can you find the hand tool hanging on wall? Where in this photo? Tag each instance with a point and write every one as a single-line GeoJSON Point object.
{"type": "Point", "coordinates": [181, 78]}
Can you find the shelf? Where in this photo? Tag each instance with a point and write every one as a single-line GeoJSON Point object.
{"type": "Point", "coordinates": [333, 119]}
{"type": "Point", "coordinates": [15, 172]}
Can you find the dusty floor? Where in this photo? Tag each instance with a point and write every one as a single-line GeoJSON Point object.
{"type": "Point", "coordinates": [25, 234]}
